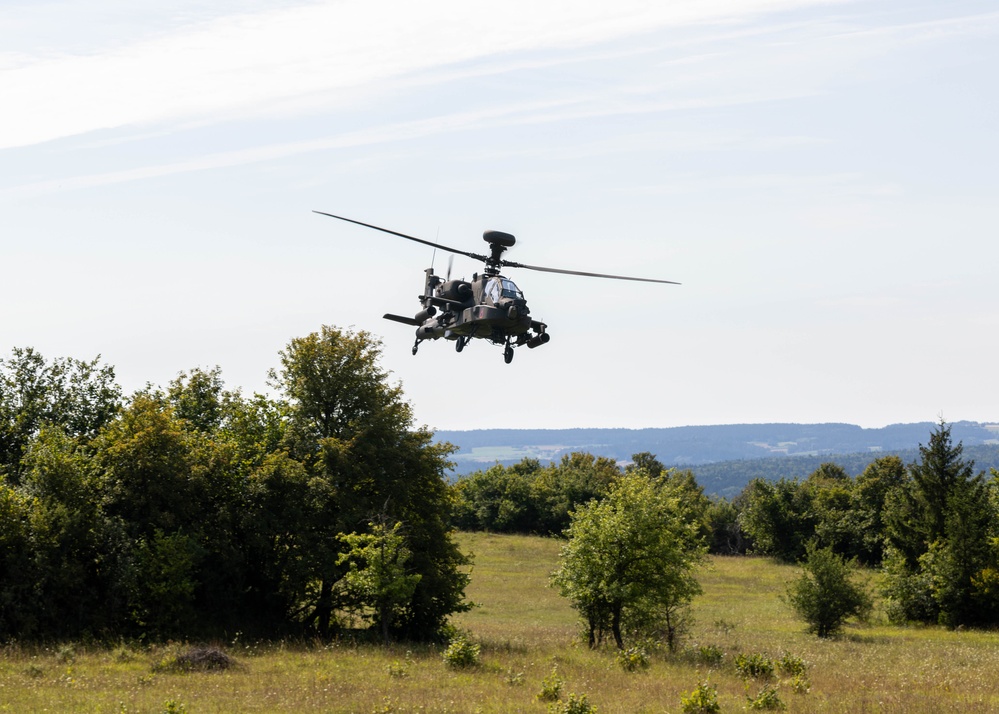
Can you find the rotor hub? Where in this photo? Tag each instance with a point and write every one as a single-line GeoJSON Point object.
{"type": "Point", "coordinates": [498, 243]}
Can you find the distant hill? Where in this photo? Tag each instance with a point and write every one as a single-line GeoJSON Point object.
{"type": "Point", "coordinates": [724, 458]}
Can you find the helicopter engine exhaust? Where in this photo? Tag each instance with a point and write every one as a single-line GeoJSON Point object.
{"type": "Point", "coordinates": [539, 340]}
{"type": "Point", "coordinates": [424, 315]}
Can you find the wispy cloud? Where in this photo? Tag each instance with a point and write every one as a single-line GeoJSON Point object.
{"type": "Point", "coordinates": [572, 108]}
{"type": "Point", "coordinates": [250, 62]}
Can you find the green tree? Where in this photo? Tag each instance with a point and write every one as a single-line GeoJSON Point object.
{"type": "Point", "coordinates": [278, 537]}
{"type": "Point", "coordinates": [831, 498]}
{"type": "Point", "coordinates": [647, 462]}
{"type": "Point", "coordinates": [80, 397]}
{"type": "Point", "coordinates": [961, 559]}
{"type": "Point", "coordinates": [875, 487]}
{"type": "Point", "coordinates": [630, 556]}
{"type": "Point", "coordinates": [18, 572]}
{"type": "Point", "coordinates": [378, 582]}
{"type": "Point", "coordinates": [941, 526]}
{"type": "Point", "coordinates": [824, 595]}
{"type": "Point", "coordinates": [199, 397]}
{"type": "Point", "coordinates": [157, 495]}
{"type": "Point", "coordinates": [148, 478]}
{"type": "Point", "coordinates": [353, 433]}
{"type": "Point", "coordinates": [69, 537]}
{"type": "Point", "coordinates": [778, 517]}
{"type": "Point", "coordinates": [499, 499]}
{"type": "Point", "coordinates": [727, 537]}
{"type": "Point", "coordinates": [560, 488]}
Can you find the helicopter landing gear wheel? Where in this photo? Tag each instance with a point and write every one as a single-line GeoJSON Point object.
{"type": "Point", "coordinates": [460, 344]}
{"type": "Point", "coordinates": [416, 347]}
{"type": "Point", "coordinates": [508, 354]}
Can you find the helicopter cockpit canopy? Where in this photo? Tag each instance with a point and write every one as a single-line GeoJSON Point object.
{"type": "Point", "coordinates": [510, 290]}
{"type": "Point", "coordinates": [499, 287]}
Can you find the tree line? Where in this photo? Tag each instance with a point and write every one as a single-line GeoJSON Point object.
{"type": "Point", "coordinates": [194, 510]}
{"type": "Point", "coordinates": [931, 527]}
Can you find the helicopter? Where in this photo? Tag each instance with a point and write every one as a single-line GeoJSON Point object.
{"type": "Point", "coordinates": [489, 306]}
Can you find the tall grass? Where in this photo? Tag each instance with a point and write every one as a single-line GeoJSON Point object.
{"type": "Point", "coordinates": [526, 633]}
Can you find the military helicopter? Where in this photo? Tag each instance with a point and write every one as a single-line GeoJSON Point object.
{"type": "Point", "coordinates": [490, 306]}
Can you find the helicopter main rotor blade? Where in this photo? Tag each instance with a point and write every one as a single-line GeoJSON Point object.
{"type": "Point", "coordinates": [586, 274]}
{"type": "Point", "coordinates": [476, 256]}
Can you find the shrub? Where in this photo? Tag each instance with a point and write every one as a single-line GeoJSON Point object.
{"type": "Point", "coordinates": [399, 669]}
{"type": "Point", "coordinates": [800, 684]}
{"type": "Point", "coordinates": [767, 700]}
{"type": "Point", "coordinates": [824, 595]}
{"type": "Point", "coordinates": [66, 653]}
{"type": "Point", "coordinates": [461, 653]}
{"type": "Point", "coordinates": [754, 666]}
{"type": "Point", "coordinates": [703, 700]}
{"type": "Point", "coordinates": [551, 687]}
{"type": "Point", "coordinates": [710, 655]}
{"type": "Point", "coordinates": [514, 678]}
{"type": "Point", "coordinates": [572, 706]}
{"type": "Point", "coordinates": [633, 659]}
{"type": "Point", "coordinates": [790, 666]}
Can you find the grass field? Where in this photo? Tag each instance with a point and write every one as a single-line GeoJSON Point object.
{"type": "Point", "coordinates": [526, 631]}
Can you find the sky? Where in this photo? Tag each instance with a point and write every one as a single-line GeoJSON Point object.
{"type": "Point", "coordinates": [821, 177]}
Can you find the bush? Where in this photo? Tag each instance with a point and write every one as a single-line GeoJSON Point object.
{"type": "Point", "coordinates": [633, 659]}
{"type": "Point", "coordinates": [514, 678]}
{"type": "Point", "coordinates": [572, 706]}
{"type": "Point", "coordinates": [767, 700]}
{"type": "Point", "coordinates": [461, 653]}
{"type": "Point", "coordinates": [703, 700]}
{"type": "Point", "coordinates": [800, 684]}
{"type": "Point", "coordinates": [824, 595]}
{"type": "Point", "coordinates": [754, 666]}
{"type": "Point", "coordinates": [551, 687]}
{"type": "Point", "coordinates": [710, 655]}
{"type": "Point", "coordinates": [791, 666]}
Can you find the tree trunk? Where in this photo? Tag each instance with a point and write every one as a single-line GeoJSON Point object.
{"type": "Point", "coordinates": [324, 609]}
{"type": "Point", "coordinates": [616, 627]}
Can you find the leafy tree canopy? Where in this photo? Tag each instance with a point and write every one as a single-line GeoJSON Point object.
{"type": "Point", "coordinates": [630, 558]}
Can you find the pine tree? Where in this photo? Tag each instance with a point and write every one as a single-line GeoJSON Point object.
{"type": "Point", "coordinates": [940, 526]}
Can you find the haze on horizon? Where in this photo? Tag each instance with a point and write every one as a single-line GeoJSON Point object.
{"type": "Point", "coordinates": [819, 175]}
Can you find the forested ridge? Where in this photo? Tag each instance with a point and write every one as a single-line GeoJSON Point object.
{"type": "Point", "coordinates": [729, 478]}
{"type": "Point", "coordinates": [196, 511]}
{"type": "Point", "coordinates": [721, 455]}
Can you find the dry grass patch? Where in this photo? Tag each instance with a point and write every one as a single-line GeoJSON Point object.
{"type": "Point", "coordinates": [527, 632]}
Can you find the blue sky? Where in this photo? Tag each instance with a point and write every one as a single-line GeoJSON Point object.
{"type": "Point", "coordinates": [820, 176]}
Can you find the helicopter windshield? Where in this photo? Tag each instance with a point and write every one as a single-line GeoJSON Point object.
{"type": "Point", "coordinates": [510, 290]}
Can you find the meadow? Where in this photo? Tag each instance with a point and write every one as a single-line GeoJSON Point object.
{"type": "Point", "coordinates": [527, 633]}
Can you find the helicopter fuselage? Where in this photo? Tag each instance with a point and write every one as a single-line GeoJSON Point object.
{"type": "Point", "coordinates": [490, 306]}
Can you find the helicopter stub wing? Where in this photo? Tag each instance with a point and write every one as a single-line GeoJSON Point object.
{"type": "Point", "coordinates": [403, 320]}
